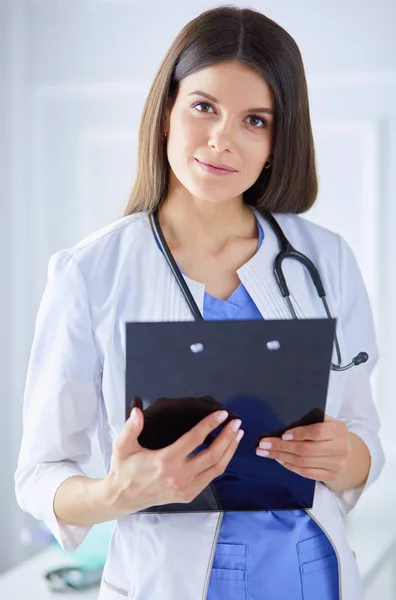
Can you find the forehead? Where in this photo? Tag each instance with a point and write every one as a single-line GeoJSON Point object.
{"type": "Point", "coordinates": [230, 82]}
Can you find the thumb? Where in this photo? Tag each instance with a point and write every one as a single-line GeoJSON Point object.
{"type": "Point", "coordinates": [127, 442]}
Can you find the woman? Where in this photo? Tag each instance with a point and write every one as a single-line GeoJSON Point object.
{"type": "Point", "coordinates": [230, 93]}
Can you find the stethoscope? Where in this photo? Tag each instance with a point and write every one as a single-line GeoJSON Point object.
{"type": "Point", "coordinates": [286, 251]}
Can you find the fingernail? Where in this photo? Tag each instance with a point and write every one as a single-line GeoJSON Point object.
{"type": "Point", "coordinates": [281, 462]}
{"type": "Point", "coordinates": [222, 415]}
{"type": "Point", "coordinates": [287, 436]}
{"type": "Point", "coordinates": [265, 445]}
{"type": "Point", "coordinates": [236, 425]}
{"type": "Point", "coordinates": [133, 415]}
{"type": "Point", "coordinates": [262, 452]}
{"type": "Point", "coordinates": [239, 435]}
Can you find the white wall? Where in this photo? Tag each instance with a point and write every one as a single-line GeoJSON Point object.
{"type": "Point", "coordinates": [74, 75]}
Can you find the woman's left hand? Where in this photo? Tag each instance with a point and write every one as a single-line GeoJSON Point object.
{"type": "Point", "coordinates": [319, 451]}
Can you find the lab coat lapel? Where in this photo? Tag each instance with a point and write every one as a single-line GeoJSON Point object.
{"type": "Point", "coordinates": [170, 304]}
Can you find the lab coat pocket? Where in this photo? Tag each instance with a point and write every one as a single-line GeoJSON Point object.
{"type": "Point", "coordinates": [228, 576]}
{"type": "Point", "coordinates": [318, 569]}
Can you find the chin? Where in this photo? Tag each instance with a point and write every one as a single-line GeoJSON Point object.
{"type": "Point", "coordinates": [210, 192]}
{"type": "Point", "coordinates": [209, 197]}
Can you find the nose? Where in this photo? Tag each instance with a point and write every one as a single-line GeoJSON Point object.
{"type": "Point", "coordinates": [220, 138]}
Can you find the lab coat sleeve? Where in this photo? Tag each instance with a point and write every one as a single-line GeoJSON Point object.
{"type": "Point", "coordinates": [62, 390]}
{"type": "Point", "coordinates": [358, 410]}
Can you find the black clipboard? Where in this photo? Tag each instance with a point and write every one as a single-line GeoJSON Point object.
{"type": "Point", "coordinates": [273, 374]}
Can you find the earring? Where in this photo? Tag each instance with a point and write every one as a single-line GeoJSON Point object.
{"type": "Point", "coordinates": [268, 164]}
{"type": "Point", "coordinates": [164, 136]}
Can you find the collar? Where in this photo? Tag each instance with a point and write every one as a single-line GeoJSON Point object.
{"type": "Point", "coordinates": [256, 275]}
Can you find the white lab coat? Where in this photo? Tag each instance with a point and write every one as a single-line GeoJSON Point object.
{"type": "Point", "coordinates": [76, 379]}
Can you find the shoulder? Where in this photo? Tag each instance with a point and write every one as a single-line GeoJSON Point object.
{"type": "Point", "coordinates": [327, 249]}
{"type": "Point", "coordinates": [330, 253]}
{"type": "Point", "coordinates": [124, 230]}
{"type": "Point", "coordinates": [336, 261]}
{"type": "Point", "coordinates": [320, 244]}
{"type": "Point", "coordinates": [107, 245]}
{"type": "Point", "coordinates": [314, 237]}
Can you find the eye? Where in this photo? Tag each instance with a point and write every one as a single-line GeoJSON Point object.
{"type": "Point", "coordinates": [202, 104]}
{"type": "Point", "coordinates": [263, 121]}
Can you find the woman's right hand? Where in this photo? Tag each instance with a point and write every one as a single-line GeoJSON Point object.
{"type": "Point", "coordinates": [140, 478]}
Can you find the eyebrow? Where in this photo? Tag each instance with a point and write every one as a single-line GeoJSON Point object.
{"type": "Point", "coordinates": [213, 99]}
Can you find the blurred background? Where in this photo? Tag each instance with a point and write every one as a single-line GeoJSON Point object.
{"type": "Point", "coordinates": [74, 75]}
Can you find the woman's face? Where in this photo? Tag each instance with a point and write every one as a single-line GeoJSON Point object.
{"type": "Point", "coordinates": [222, 129]}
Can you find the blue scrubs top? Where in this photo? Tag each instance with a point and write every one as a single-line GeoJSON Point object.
{"type": "Point", "coordinates": [271, 555]}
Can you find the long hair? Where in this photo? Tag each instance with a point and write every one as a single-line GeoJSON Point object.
{"type": "Point", "coordinates": [224, 34]}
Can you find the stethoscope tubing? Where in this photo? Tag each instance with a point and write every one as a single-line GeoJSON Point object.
{"type": "Point", "coordinates": [287, 251]}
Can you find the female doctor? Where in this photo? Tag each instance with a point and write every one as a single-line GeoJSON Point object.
{"type": "Point", "coordinates": [225, 139]}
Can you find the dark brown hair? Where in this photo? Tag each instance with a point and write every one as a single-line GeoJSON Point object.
{"type": "Point", "coordinates": [228, 33]}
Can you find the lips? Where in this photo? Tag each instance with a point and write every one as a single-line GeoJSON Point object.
{"type": "Point", "coordinates": [216, 165]}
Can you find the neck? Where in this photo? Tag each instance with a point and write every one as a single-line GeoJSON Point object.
{"type": "Point", "coordinates": [193, 222]}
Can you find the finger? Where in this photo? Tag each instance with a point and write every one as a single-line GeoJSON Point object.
{"type": "Point", "coordinates": [126, 442]}
{"type": "Point", "coordinates": [212, 455]}
{"type": "Point", "coordinates": [330, 418]}
{"type": "Point", "coordinates": [307, 462]}
{"type": "Point", "coordinates": [315, 432]}
{"type": "Point", "coordinates": [203, 479]}
{"type": "Point", "coordinates": [196, 436]}
{"type": "Point", "coordinates": [312, 473]}
{"type": "Point", "coordinates": [273, 446]}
